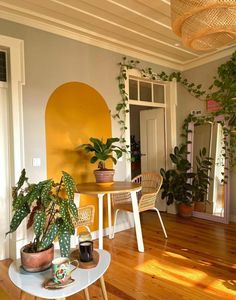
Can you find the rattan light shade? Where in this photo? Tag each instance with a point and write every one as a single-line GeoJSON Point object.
{"type": "Point", "coordinates": [204, 24]}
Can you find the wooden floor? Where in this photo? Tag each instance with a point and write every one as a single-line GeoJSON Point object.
{"type": "Point", "coordinates": [198, 261]}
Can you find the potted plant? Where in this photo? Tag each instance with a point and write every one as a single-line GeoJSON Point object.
{"type": "Point", "coordinates": [177, 185]}
{"type": "Point", "coordinates": [51, 213]}
{"type": "Point", "coordinates": [101, 153]}
{"type": "Point", "coordinates": [201, 180]}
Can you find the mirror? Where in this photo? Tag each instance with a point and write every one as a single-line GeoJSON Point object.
{"type": "Point", "coordinates": [211, 136]}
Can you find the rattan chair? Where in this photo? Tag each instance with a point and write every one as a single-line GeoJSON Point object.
{"type": "Point", "coordinates": [85, 219]}
{"type": "Point", "coordinates": [151, 184]}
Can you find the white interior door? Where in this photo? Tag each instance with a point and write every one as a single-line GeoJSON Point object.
{"type": "Point", "coordinates": [4, 171]}
{"type": "Point", "coordinates": [153, 143]}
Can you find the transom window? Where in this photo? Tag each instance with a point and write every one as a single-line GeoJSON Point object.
{"type": "Point", "coordinates": [146, 90]}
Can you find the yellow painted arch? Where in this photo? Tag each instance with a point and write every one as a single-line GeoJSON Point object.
{"type": "Point", "coordinates": [75, 112]}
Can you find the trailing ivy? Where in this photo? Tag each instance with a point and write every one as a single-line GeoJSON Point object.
{"type": "Point", "coordinates": [222, 90]}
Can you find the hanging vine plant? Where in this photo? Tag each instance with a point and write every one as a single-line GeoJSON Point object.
{"type": "Point", "coordinates": [222, 90]}
{"type": "Point", "coordinates": [122, 106]}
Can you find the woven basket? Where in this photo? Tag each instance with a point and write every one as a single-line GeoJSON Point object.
{"type": "Point", "coordinates": [204, 24]}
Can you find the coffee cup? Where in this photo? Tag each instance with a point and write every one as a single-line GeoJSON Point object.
{"type": "Point", "coordinates": [86, 251]}
{"type": "Point", "coordinates": [62, 269]}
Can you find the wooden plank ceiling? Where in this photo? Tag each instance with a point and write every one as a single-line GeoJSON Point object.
{"type": "Point", "coordinates": [137, 27]}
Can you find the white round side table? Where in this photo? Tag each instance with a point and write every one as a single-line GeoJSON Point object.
{"type": "Point", "coordinates": [32, 283]}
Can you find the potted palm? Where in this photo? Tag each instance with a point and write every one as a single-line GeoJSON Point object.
{"type": "Point", "coordinates": [101, 153]}
{"type": "Point", "coordinates": [51, 213]}
{"type": "Point", "coordinates": [177, 185]}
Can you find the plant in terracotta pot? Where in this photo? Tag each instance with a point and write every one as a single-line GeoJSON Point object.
{"type": "Point", "coordinates": [101, 153]}
{"type": "Point", "coordinates": [51, 213]}
{"type": "Point", "coordinates": [201, 180]}
{"type": "Point", "coordinates": [177, 185]}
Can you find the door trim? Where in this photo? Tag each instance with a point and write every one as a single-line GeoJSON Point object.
{"type": "Point", "coordinates": [15, 49]}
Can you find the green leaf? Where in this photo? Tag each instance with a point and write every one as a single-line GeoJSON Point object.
{"type": "Point", "coordinates": [18, 217]}
{"type": "Point", "coordinates": [39, 222]}
{"type": "Point", "coordinates": [21, 180]}
{"type": "Point", "coordinates": [64, 240]}
{"type": "Point", "coordinates": [49, 237]}
{"type": "Point", "coordinates": [69, 185]}
{"type": "Point", "coordinates": [45, 192]}
{"type": "Point", "coordinates": [65, 214]}
{"type": "Point", "coordinates": [73, 209]}
{"type": "Point", "coordinates": [19, 201]}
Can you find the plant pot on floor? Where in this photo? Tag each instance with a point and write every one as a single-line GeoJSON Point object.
{"type": "Point", "coordinates": [200, 206]}
{"type": "Point", "coordinates": [104, 176]}
{"type": "Point", "coordinates": [184, 210]}
{"type": "Point", "coordinates": [38, 261]}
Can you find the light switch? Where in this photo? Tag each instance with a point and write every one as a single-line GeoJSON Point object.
{"type": "Point", "coordinates": [36, 162]}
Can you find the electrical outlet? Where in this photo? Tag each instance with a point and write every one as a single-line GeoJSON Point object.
{"type": "Point", "coordinates": [36, 162]}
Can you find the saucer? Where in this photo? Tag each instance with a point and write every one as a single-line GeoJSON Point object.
{"type": "Point", "coordinates": [85, 265]}
{"type": "Point", "coordinates": [50, 284]}
{"type": "Point", "coordinates": [105, 184]}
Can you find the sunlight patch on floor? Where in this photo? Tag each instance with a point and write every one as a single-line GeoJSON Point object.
{"type": "Point", "coordinates": [182, 275]}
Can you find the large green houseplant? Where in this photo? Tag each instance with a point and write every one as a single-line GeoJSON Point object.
{"type": "Point", "coordinates": [201, 180]}
{"type": "Point", "coordinates": [176, 185]}
{"type": "Point", "coordinates": [101, 152]}
{"type": "Point", "coordinates": [50, 209]}
{"type": "Point", "coordinates": [183, 186]}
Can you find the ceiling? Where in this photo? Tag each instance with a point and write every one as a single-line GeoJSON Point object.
{"type": "Point", "coordinates": [138, 28]}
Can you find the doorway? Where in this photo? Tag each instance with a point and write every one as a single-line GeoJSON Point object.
{"type": "Point", "coordinates": [148, 142]}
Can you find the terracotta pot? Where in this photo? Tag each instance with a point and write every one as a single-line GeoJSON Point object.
{"type": "Point", "coordinates": [200, 206]}
{"type": "Point", "coordinates": [184, 210]}
{"type": "Point", "coordinates": [104, 176]}
{"type": "Point", "coordinates": [36, 262]}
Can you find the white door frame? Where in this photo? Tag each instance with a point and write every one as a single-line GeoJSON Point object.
{"type": "Point", "coordinates": [15, 48]}
{"type": "Point", "coordinates": [170, 115]}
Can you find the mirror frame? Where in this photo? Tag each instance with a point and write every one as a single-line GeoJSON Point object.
{"type": "Point", "coordinates": [226, 218]}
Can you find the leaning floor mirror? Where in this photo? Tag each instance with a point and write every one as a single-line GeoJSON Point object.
{"type": "Point", "coordinates": [210, 135]}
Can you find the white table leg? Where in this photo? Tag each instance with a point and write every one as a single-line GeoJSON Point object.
{"type": "Point", "coordinates": [137, 222]}
{"type": "Point", "coordinates": [86, 294]}
{"type": "Point", "coordinates": [109, 214]}
{"type": "Point", "coordinates": [103, 287]}
{"type": "Point", "coordinates": [100, 221]}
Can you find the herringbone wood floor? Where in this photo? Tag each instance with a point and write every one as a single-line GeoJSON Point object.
{"type": "Point", "coordinates": [198, 261]}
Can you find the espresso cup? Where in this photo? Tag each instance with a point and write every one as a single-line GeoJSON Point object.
{"type": "Point", "coordinates": [86, 251]}
{"type": "Point", "coordinates": [62, 269]}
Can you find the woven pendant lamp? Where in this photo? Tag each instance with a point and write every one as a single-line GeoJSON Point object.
{"type": "Point", "coordinates": [204, 24]}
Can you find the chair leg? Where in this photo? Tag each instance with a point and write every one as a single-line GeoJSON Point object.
{"type": "Point", "coordinates": [86, 294]}
{"type": "Point", "coordinates": [114, 225]}
{"type": "Point", "coordinates": [103, 287]}
{"type": "Point", "coordinates": [162, 225]}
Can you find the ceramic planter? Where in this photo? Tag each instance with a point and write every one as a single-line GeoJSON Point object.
{"type": "Point", "coordinates": [104, 176]}
{"type": "Point", "coordinates": [36, 262]}
{"type": "Point", "coordinates": [200, 206]}
{"type": "Point", "coordinates": [184, 210]}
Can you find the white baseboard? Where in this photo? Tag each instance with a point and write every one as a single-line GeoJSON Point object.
{"type": "Point", "coordinates": [119, 227]}
{"type": "Point", "coordinates": [123, 225]}
{"type": "Point", "coordinates": [232, 218]}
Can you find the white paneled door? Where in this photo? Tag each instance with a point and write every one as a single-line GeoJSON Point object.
{"type": "Point", "coordinates": [153, 143]}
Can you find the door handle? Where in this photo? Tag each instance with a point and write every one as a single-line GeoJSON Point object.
{"type": "Point", "coordinates": [143, 154]}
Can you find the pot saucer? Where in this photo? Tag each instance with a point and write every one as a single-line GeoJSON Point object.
{"type": "Point", "coordinates": [105, 183]}
{"type": "Point", "coordinates": [50, 284]}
